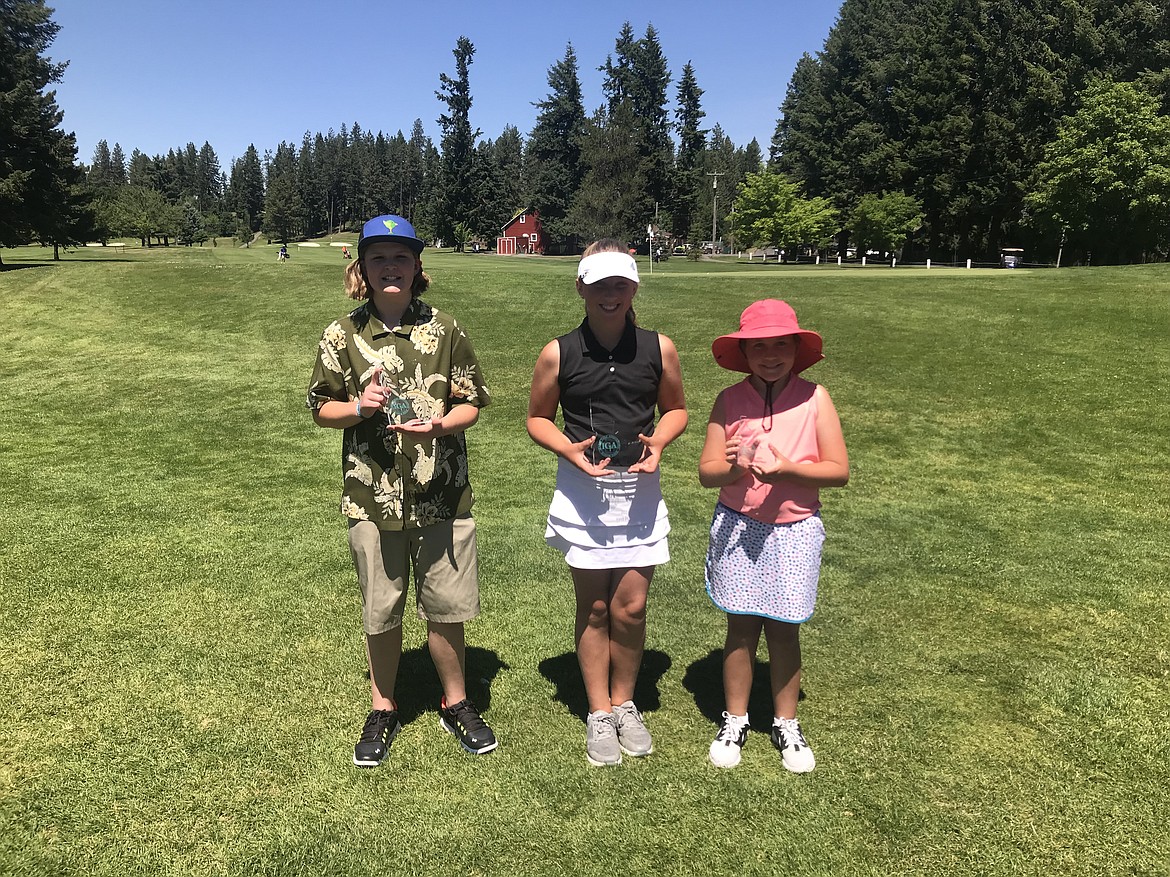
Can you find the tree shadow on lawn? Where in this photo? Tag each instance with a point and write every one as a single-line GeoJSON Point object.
{"type": "Point", "coordinates": [18, 266]}
{"type": "Point", "coordinates": [48, 263]}
{"type": "Point", "coordinates": [704, 680]}
{"type": "Point", "coordinates": [419, 691]}
{"type": "Point", "coordinates": [564, 672]}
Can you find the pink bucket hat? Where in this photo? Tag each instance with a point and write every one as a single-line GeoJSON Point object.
{"type": "Point", "coordinates": [769, 318]}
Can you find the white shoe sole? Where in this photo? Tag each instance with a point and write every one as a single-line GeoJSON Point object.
{"type": "Point", "coordinates": [443, 724]}
{"type": "Point", "coordinates": [389, 740]}
{"type": "Point", "coordinates": [633, 754]}
{"type": "Point", "coordinates": [597, 763]}
{"type": "Point", "coordinates": [799, 768]}
{"type": "Point", "coordinates": [725, 764]}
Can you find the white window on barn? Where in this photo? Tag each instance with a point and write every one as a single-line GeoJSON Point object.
{"type": "Point", "coordinates": [522, 218]}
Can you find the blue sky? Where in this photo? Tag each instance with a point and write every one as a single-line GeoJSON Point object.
{"type": "Point", "coordinates": [155, 75]}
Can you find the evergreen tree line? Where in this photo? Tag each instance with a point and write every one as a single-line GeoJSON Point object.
{"type": "Point", "coordinates": [612, 172]}
{"type": "Point", "coordinates": [944, 128]}
{"type": "Point", "coordinates": [330, 181]}
{"type": "Point", "coordinates": [1009, 122]}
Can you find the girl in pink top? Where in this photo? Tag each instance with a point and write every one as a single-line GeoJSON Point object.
{"type": "Point", "coordinates": [773, 440]}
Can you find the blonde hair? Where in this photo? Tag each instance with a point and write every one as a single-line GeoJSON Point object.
{"type": "Point", "coordinates": [605, 245]}
{"type": "Point", "coordinates": [611, 245]}
{"type": "Point", "coordinates": [356, 287]}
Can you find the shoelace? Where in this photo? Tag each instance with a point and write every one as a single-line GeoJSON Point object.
{"type": "Point", "coordinates": [732, 727]}
{"type": "Point", "coordinates": [627, 715]}
{"type": "Point", "coordinates": [603, 726]}
{"type": "Point", "coordinates": [466, 715]}
{"type": "Point", "coordinates": [790, 728]}
{"type": "Point", "coordinates": [376, 722]}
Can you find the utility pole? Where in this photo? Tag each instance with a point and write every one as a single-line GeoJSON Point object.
{"type": "Point", "coordinates": [714, 201]}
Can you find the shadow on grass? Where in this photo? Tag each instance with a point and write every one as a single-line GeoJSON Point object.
{"type": "Point", "coordinates": [564, 672]}
{"type": "Point", "coordinates": [8, 267]}
{"type": "Point", "coordinates": [704, 680]}
{"type": "Point", "coordinates": [47, 263]}
{"type": "Point", "coordinates": [419, 691]}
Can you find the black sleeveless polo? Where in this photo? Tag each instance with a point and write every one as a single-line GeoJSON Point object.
{"type": "Point", "coordinates": [610, 393]}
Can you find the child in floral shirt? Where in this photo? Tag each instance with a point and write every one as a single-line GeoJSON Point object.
{"type": "Point", "coordinates": [402, 380]}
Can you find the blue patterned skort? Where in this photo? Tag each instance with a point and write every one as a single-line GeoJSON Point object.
{"type": "Point", "coordinates": [756, 568]}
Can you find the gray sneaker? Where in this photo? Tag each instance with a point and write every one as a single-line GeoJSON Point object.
{"type": "Point", "coordinates": [633, 737]}
{"type": "Point", "coordinates": [601, 740]}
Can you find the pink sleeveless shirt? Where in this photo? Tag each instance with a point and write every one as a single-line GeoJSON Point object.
{"type": "Point", "coordinates": [793, 432]}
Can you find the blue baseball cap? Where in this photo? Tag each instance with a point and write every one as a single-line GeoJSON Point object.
{"type": "Point", "coordinates": [389, 229]}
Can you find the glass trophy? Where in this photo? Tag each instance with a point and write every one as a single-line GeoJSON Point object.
{"type": "Point", "coordinates": [397, 407]}
{"type": "Point", "coordinates": [749, 442]}
{"type": "Point", "coordinates": [607, 443]}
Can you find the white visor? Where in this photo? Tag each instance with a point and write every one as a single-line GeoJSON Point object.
{"type": "Point", "coordinates": [602, 265]}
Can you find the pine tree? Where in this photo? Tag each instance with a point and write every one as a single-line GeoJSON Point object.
{"type": "Point", "coordinates": [459, 194]}
{"type": "Point", "coordinates": [639, 79]}
{"type": "Point", "coordinates": [100, 169]}
{"type": "Point", "coordinates": [118, 165]}
{"type": "Point", "coordinates": [716, 193]}
{"type": "Point", "coordinates": [614, 199]}
{"type": "Point", "coordinates": [418, 184]}
{"type": "Point", "coordinates": [688, 177]}
{"type": "Point", "coordinates": [384, 172]}
{"type": "Point", "coordinates": [636, 175]}
{"type": "Point", "coordinates": [191, 229]}
{"type": "Point", "coordinates": [284, 215]}
{"type": "Point", "coordinates": [493, 206]}
{"type": "Point", "coordinates": [651, 81]}
{"type": "Point", "coordinates": [41, 193]}
{"type": "Point", "coordinates": [102, 182]}
{"type": "Point", "coordinates": [139, 170]}
{"type": "Point", "coordinates": [751, 158]}
{"type": "Point", "coordinates": [246, 189]}
{"type": "Point", "coordinates": [618, 85]}
{"type": "Point", "coordinates": [553, 157]}
{"type": "Point", "coordinates": [508, 155]}
{"type": "Point", "coordinates": [208, 196]}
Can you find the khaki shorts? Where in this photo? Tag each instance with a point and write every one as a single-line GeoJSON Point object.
{"type": "Point", "coordinates": [445, 565]}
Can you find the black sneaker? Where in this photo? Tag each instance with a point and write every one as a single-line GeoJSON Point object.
{"type": "Point", "coordinates": [463, 720]}
{"type": "Point", "coordinates": [379, 731]}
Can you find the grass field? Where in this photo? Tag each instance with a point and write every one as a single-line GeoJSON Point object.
{"type": "Point", "coordinates": [987, 677]}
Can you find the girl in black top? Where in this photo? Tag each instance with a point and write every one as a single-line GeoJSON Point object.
{"type": "Point", "coordinates": [608, 377]}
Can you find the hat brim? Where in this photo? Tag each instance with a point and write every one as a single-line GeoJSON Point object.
{"type": "Point", "coordinates": [728, 354]}
{"type": "Point", "coordinates": [602, 266]}
{"type": "Point", "coordinates": [414, 244]}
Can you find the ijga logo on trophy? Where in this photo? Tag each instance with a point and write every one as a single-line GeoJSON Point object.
{"type": "Point", "coordinates": [608, 445]}
{"type": "Point", "coordinates": [399, 409]}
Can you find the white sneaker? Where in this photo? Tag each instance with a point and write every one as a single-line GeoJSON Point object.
{"type": "Point", "coordinates": [728, 743]}
{"type": "Point", "coordinates": [794, 749]}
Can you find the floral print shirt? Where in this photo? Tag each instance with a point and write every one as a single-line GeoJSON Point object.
{"type": "Point", "coordinates": [393, 479]}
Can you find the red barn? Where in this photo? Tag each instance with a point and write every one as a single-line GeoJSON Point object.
{"type": "Point", "coordinates": [522, 234]}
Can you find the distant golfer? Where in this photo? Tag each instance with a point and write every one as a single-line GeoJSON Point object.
{"type": "Point", "coordinates": [773, 440]}
{"type": "Point", "coordinates": [282, 254]}
{"type": "Point", "coordinates": [607, 515]}
{"type": "Point", "coordinates": [403, 381]}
